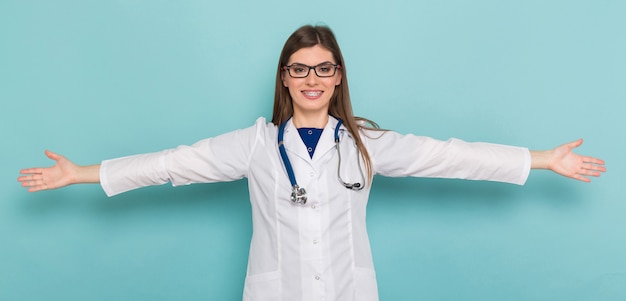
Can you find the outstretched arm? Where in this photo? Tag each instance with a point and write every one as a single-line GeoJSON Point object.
{"type": "Point", "coordinates": [63, 173]}
{"type": "Point", "coordinates": [562, 160]}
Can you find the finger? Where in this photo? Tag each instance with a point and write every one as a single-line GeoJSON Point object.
{"type": "Point", "coordinates": [593, 160]}
{"type": "Point", "coordinates": [594, 167]}
{"type": "Point", "coordinates": [590, 173]}
{"type": "Point", "coordinates": [37, 188]}
{"type": "Point", "coordinates": [581, 178]}
{"type": "Point", "coordinates": [590, 170]}
{"type": "Point", "coordinates": [23, 178]}
{"type": "Point", "coordinates": [30, 178]}
{"type": "Point", "coordinates": [33, 177]}
{"type": "Point", "coordinates": [35, 185]}
{"type": "Point", "coordinates": [34, 170]}
{"type": "Point", "coordinates": [30, 183]}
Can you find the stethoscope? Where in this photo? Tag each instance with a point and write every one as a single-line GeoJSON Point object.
{"type": "Point", "coordinates": [298, 194]}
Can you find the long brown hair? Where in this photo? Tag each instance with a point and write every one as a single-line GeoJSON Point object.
{"type": "Point", "coordinates": [340, 105]}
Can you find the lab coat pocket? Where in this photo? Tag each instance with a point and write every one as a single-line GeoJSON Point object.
{"type": "Point", "coordinates": [262, 287]}
{"type": "Point", "coordinates": [366, 287]}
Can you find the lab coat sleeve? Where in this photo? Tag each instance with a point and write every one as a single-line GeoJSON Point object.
{"type": "Point", "coordinates": [397, 155]}
{"type": "Point", "coordinates": [218, 159]}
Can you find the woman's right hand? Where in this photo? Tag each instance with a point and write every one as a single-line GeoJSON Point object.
{"type": "Point", "coordinates": [63, 173]}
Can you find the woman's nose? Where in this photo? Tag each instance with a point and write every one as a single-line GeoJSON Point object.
{"type": "Point", "coordinates": [311, 79]}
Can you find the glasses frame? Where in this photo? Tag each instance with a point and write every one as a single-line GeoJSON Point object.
{"type": "Point", "coordinates": [288, 68]}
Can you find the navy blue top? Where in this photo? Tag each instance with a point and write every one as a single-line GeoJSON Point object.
{"type": "Point", "coordinates": [310, 137]}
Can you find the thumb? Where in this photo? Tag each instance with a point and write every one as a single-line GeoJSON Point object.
{"type": "Point", "coordinates": [53, 156]}
{"type": "Point", "coordinates": [575, 144]}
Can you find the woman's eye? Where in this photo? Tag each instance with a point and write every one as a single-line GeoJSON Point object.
{"type": "Point", "coordinates": [325, 69]}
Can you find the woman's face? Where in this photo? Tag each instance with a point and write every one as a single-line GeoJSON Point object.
{"type": "Point", "coordinates": [311, 94]}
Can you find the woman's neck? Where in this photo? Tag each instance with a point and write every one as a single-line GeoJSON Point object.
{"type": "Point", "coordinates": [309, 121]}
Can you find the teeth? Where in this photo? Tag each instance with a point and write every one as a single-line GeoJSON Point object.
{"type": "Point", "coordinates": [312, 93]}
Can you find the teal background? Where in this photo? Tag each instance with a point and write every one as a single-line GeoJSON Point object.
{"type": "Point", "coordinates": [100, 79]}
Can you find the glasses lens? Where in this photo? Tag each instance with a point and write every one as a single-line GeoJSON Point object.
{"type": "Point", "coordinates": [325, 70]}
{"type": "Point", "coordinates": [297, 70]}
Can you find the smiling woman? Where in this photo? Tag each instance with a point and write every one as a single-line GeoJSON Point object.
{"type": "Point", "coordinates": [316, 249]}
{"type": "Point", "coordinates": [311, 93]}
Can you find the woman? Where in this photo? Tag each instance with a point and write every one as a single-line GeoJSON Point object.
{"type": "Point", "coordinates": [309, 174]}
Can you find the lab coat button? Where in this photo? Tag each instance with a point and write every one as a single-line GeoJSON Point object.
{"type": "Point", "coordinates": [315, 241]}
{"type": "Point", "coordinates": [312, 174]}
{"type": "Point", "coordinates": [317, 277]}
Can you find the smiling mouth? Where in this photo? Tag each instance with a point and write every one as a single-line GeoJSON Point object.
{"type": "Point", "coordinates": [312, 94]}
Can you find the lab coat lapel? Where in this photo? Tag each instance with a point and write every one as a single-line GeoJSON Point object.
{"type": "Point", "coordinates": [294, 145]}
{"type": "Point", "coordinates": [327, 140]}
{"type": "Point", "coordinates": [293, 142]}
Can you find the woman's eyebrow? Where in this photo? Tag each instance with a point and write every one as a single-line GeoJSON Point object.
{"type": "Point", "coordinates": [322, 63]}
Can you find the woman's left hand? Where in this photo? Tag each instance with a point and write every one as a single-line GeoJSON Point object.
{"type": "Point", "coordinates": [562, 160]}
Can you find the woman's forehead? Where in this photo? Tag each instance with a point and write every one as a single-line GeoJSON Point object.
{"type": "Point", "coordinates": [312, 56]}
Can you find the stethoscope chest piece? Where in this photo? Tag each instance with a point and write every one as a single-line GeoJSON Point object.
{"type": "Point", "coordinates": [298, 195]}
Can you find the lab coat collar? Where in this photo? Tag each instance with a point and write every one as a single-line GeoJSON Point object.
{"type": "Point", "coordinates": [293, 142]}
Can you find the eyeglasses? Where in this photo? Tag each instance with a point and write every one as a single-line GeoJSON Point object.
{"type": "Point", "coordinates": [321, 70]}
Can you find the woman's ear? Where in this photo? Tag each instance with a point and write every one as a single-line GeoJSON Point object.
{"type": "Point", "coordinates": [282, 77]}
{"type": "Point", "coordinates": [339, 77]}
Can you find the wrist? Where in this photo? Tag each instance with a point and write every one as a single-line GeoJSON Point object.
{"type": "Point", "coordinates": [87, 174]}
{"type": "Point", "coordinates": [540, 159]}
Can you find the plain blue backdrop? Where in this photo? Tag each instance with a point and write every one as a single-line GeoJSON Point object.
{"type": "Point", "coordinates": [100, 79]}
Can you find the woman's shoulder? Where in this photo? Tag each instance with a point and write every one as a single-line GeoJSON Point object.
{"type": "Point", "coordinates": [260, 123]}
{"type": "Point", "coordinates": [264, 124]}
{"type": "Point", "coordinates": [260, 129]}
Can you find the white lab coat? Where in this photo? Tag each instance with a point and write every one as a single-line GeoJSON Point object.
{"type": "Point", "coordinates": [319, 251]}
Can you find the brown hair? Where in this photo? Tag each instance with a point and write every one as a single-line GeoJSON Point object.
{"type": "Point", "coordinates": [340, 106]}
